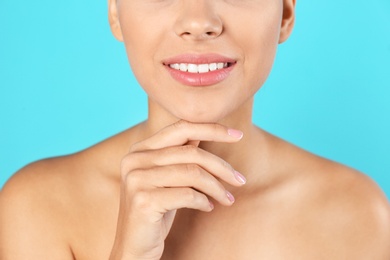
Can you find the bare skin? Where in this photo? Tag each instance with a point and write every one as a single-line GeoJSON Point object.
{"type": "Point", "coordinates": [159, 189]}
{"type": "Point", "coordinates": [304, 208]}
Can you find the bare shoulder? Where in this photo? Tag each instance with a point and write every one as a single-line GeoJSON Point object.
{"type": "Point", "coordinates": [354, 195]}
{"type": "Point", "coordinates": [359, 214]}
{"type": "Point", "coordinates": [349, 210]}
{"type": "Point", "coordinates": [330, 211]}
{"type": "Point", "coordinates": [45, 181]}
{"type": "Point", "coordinates": [32, 212]}
{"type": "Point", "coordinates": [63, 207]}
{"type": "Point", "coordinates": [59, 208]}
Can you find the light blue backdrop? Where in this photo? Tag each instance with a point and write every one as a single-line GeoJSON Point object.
{"type": "Point", "coordinates": [65, 83]}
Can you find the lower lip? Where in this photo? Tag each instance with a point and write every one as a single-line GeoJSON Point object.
{"type": "Point", "coordinates": [200, 79]}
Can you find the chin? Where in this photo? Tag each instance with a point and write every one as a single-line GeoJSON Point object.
{"type": "Point", "coordinates": [201, 117]}
{"type": "Point", "coordinates": [192, 110]}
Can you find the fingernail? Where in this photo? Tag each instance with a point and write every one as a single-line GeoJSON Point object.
{"type": "Point", "coordinates": [235, 133]}
{"type": "Point", "coordinates": [230, 196]}
{"type": "Point", "coordinates": [211, 205]}
{"type": "Point", "coordinates": [239, 177]}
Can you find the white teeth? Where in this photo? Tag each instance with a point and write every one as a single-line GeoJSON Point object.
{"type": "Point", "coordinates": [174, 66]}
{"type": "Point", "coordinates": [198, 68]}
{"type": "Point", "coordinates": [213, 66]}
{"type": "Point", "coordinates": [202, 68]}
{"type": "Point", "coordinates": [183, 67]}
{"type": "Point", "coordinates": [192, 68]}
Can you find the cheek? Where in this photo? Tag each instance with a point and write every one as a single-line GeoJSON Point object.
{"type": "Point", "coordinates": [141, 38]}
{"type": "Point", "coordinates": [259, 43]}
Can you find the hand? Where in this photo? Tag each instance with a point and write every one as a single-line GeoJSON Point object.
{"type": "Point", "coordinates": [164, 173]}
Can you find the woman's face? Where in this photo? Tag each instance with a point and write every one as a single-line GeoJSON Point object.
{"type": "Point", "coordinates": [201, 60]}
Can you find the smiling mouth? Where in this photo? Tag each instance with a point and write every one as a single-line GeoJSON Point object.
{"type": "Point", "coordinates": [199, 68]}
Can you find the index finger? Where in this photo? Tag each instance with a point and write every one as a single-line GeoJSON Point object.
{"type": "Point", "coordinates": [183, 132]}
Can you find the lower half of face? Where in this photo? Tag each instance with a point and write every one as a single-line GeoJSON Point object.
{"type": "Point", "coordinates": [183, 74]}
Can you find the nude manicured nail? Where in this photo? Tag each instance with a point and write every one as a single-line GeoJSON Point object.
{"type": "Point", "coordinates": [230, 196]}
{"type": "Point", "coordinates": [211, 205]}
{"type": "Point", "coordinates": [235, 133]}
{"type": "Point", "coordinates": [239, 177]}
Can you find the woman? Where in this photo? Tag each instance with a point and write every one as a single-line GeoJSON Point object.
{"type": "Point", "coordinates": [197, 180]}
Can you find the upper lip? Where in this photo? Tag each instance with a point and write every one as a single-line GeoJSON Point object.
{"type": "Point", "coordinates": [198, 59]}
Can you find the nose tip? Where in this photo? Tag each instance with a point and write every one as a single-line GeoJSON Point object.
{"type": "Point", "coordinates": [198, 22]}
{"type": "Point", "coordinates": [200, 32]}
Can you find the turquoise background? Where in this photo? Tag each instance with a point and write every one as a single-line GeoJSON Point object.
{"type": "Point", "coordinates": [65, 83]}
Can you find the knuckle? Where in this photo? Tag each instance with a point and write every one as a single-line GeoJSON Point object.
{"type": "Point", "coordinates": [226, 165]}
{"type": "Point", "coordinates": [129, 162]}
{"type": "Point", "coordinates": [189, 149]}
{"type": "Point", "coordinates": [125, 165]}
{"type": "Point", "coordinates": [134, 179]}
{"type": "Point", "coordinates": [214, 184]}
{"type": "Point", "coordinates": [216, 127]}
{"type": "Point", "coordinates": [189, 195]}
{"type": "Point", "coordinates": [193, 197]}
{"type": "Point", "coordinates": [134, 147]}
{"type": "Point", "coordinates": [142, 200]}
{"type": "Point", "coordinates": [140, 146]}
{"type": "Point", "coordinates": [201, 199]}
{"type": "Point", "coordinates": [193, 170]}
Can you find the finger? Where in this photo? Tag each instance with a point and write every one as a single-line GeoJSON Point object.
{"type": "Point", "coordinates": [182, 175]}
{"type": "Point", "coordinates": [162, 200]}
{"type": "Point", "coordinates": [188, 154]}
{"type": "Point", "coordinates": [182, 132]}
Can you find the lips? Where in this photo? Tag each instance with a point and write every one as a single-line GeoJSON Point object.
{"type": "Point", "coordinates": [199, 70]}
